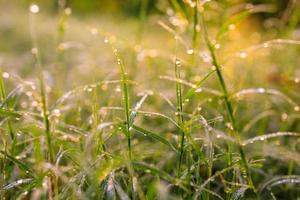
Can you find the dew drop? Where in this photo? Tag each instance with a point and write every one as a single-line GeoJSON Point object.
{"type": "Point", "coordinates": [261, 90]}
{"type": "Point", "coordinates": [198, 90]}
{"type": "Point", "coordinates": [190, 51]}
{"type": "Point", "coordinates": [29, 94]}
{"type": "Point", "coordinates": [261, 138]}
{"type": "Point", "coordinates": [94, 31]}
{"type": "Point", "coordinates": [284, 116]}
{"type": "Point", "coordinates": [34, 51]}
{"type": "Point", "coordinates": [56, 112]}
{"type": "Point", "coordinates": [231, 27]}
{"type": "Point", "coordinates": [118, 88]}
{"type": "Point", "coordinates": [106, 40]}
{"type": "Point", "coordinates": [68, 11]}
{"type": "Point", "coordinates": [104, 87]}
{"type": "Point", "coordinates": [243, 54]}
{"type": "Point", "coordinates": [34, 8]}
{"type": "Point", "coordinates": [177, 61]}
{"type": "Point", "coordinates": [217, 46]}
{"type": "Point", "coordinates": [297, 108]}
{"type": "Point", "coordinates": [5, 75]}
{"type": "Point", "coordinates": [265, 45]}
{"type": "Point", "coordinates": [297, 80]}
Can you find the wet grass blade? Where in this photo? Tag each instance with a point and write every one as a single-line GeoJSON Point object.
{"type": "Point", "coordinates": [155, 137]}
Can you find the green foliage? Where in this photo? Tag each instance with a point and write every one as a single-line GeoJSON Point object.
{"type": "Point", "coordinates": [186, 100]}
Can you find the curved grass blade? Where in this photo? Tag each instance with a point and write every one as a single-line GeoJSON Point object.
{"type": "Point", "coordinates": [155, 137]}
{"type": "Point", "coordinates": [19, 163]}
{"type": "Point", "coordinates": [17, 183]}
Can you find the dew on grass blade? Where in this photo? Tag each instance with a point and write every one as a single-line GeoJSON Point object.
{"type": "Point", "coordinates": [17, 183]}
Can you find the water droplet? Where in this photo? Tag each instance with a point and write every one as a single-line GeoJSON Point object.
{"type": "Point", "coordinates": [104, 87]}
{"type": "Point", "coordinates": [217, 46]}
{"type": "Point", "coordinates": [198, 90]}
{"type": "Point", "coordinates": [243, 54]}
{"type": "Point", "coordinates": [34, 8]}
{"type": "Point", "coordinates": [176, 113]}
{"type": "Point", "coordinates": [90, 89]}
{"type": "Point", "coordinates": [29, 94]}
{"type": "Point", "coordinates": [118, 88]}
{"type": "Point", "coordinates": [94, 31]}
{"type": "Point", "coordinates": [68, 11]}
{"type": "Point", "coordinates": [34, 104]}
{"type": "Point", "coordinates": [56, 112]}
{"type": "Point", "coordinates": [229, 125]}
{"type": "Point", "coordinates": [177, 61]}
{"type": "Point", "coordinates": [297, 108]}
{"type": "Point", "coordinates": [218, 135]}
{"type": "Point", "coordinates": [5, 75]}
{"type": "Point", "coordinates": [261, 138]}
{"type": "Point", "coordinates": [205, 57]}
{"type": "Point", "coordinates": [261, 90]}
{"type": "Point", "coordinates": [190, 51]}
{"type": "Point", "coordinates": [265, 45]}
{"type": "Point", "coordinates": [231, 27]}
{"type": "Point", "coordinates": [106, 40]}
{"type": "Point", "coordinates": [199, 108]}
{"type": "Point", "coordinates": [297, 80]}
{"type": "Point", "coordinates": [284, 116]}
{"type": "Point", "coordinates": [34, 51]}
{"type": "Point", "coordinates": [213, 67]}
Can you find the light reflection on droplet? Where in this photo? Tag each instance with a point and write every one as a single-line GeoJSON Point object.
{"type": "Point", "coordinates": [68, 11]}
{"type": "Point", "coordinates": [34, 8]}
{"type": "Point", "coordinates": [94, 31]}
{"type": "Point", "coordinates": [106, 40]}
{"type": "Point", "coordinates": [190, 51]}
{"type": "Point", "coordinates": [5, 75]}
{"type": "Point", "coordinates": [118, 88]}
{"type": "Point", "coordinates": [284, 116]}
{"type": "Point", "coordinates": [243, 54]}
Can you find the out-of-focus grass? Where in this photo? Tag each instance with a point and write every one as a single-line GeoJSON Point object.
{"type": "Point", "coordinates": [211, 116]}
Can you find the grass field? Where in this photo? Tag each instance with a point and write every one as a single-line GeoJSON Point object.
{"type": "Point", "coordinates": [194, 100]}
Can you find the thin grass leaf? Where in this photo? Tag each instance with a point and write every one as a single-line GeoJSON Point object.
{"type": "Point", "coordinates": [155, 137]}
{"type": "Point", "coordinates": [18, 162]}
{"type": "Point", "coordinates": [269, 136]}
{"type": "Point", "coordinates": [280, 180]}
{"type": "Point", "coordinates": [17, 183]}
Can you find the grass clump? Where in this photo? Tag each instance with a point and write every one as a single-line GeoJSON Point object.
{"type": "Point", "coordinates": [190, 100]}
